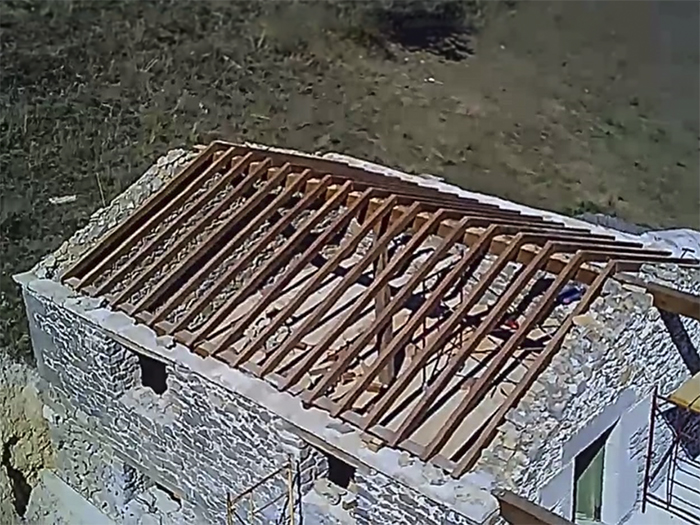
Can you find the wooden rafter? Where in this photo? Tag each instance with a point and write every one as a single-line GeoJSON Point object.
{"type": "Point", "coordinates": [120, 235]}
{"type": "Point", "coordinates": [235, 243]}
{"type": "Point", "coordinates": [309, 199]}
{"type": "Point", "coordinates": [385, 208]}
{"type": "Point", "coordinates": [337, 227]}
{"type": "Point", "coordinates": [562, 244]}
{"type": "Point", "coordinates": [182, 242]}
{"type": "Point", "coordinates": [333, 296]}
{"type": "Point", "coordinates": [238, 167]}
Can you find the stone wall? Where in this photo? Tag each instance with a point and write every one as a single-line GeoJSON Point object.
{"type": "Point", "coordinates": [198, 439]}
{"type": "Point", "coordinates": [381, 500]}
{"type": "Point", "coordinates": [601, 378]}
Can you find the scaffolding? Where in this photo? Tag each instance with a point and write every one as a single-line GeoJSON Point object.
{"type": "Point", "coordinates": [680, 413]}
{"type": "Point", "coordinates": [289, 500]}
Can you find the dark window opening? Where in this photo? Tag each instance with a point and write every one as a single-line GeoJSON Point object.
{"type": "Point", "coordinates": [172, 495]}
{"type": "Point", "coordinates": [153, 374]}
{"type": "Point", "coordinates": [339, 472]}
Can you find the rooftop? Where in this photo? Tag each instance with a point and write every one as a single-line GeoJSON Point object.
{"type": "Point", "coordinates": [417, 316]}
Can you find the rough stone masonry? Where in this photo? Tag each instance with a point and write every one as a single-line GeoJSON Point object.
{"type": "Point", "coordinates": [198, 440]}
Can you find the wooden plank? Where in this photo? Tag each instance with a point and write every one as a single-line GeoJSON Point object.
{"type": "Point", "coordinates": [281, 257]}
{"type": "Point", "coordinates": [348, 280]}
{"type": "Point", "coordinates": [231, 273]}
{"type": "Point", "coordinates": [235, 171]}
{"type": "Point", "coordinates": [317, 279]}
{"type": "Point", "coordinates": [122, 231]}
{"type": "Point", "coordinates": [182, 242]}
{"type": "Point", "coordinates": [380, 281]}
{"type": "Point", "coordinates": [237, 240]}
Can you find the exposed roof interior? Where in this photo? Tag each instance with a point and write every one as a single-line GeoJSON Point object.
{"type": "Point", "coordinates": [417, 316]}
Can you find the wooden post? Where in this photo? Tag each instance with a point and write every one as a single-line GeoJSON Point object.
{"type": "Point", "coordinates": [388, 373]}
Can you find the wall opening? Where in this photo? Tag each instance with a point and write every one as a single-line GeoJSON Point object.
{"type": "Point", "coordinates": [339, 472]}
{"type": "Point", "coordinates": [589, 467]}
{"type": "Point", "coordinates": [171, 495]}
{"type": "Point", "coordinates": [153, 374]}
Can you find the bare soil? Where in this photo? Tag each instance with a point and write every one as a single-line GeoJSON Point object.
{"type": "Point", "coordinates": [573, 106]}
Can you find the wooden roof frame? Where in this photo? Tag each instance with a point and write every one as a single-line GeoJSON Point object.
{"type": "Point", "coordinates": [216, 204]}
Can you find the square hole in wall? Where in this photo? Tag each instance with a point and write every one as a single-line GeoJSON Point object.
{"type": "Point", "coordinates": [339, 472]}
{"type": "Point", "coordinates": [153, 374]}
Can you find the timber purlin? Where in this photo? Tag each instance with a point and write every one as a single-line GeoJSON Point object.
{"type": "Point", "coordinates": [382, 289]}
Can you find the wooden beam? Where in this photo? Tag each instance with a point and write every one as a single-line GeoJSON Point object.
{"type": "Point", "coordinates": [231, 273]}
{"type": "Point", "coordinates": [212, 328]}
{"type": "Point", "coordinates": [415, 418]}
{"type": "Point", "coordinates": [237, 221]}
{"type": "Point", "coordinates": [285, 253]}
{"type": "Point", "coordinates": [380, 281]}
{"type": "Point", "coordinates": [136, 219]}
{"type": "Point", "coordinates": [516, 510]}
{"type": "Point", "coordinates": [665, 297]}
{"type": "Point", "coordinates": [386, 317]}
{"type": "Point", "coordinates": [170, 253]}
{"type": "Point", "coordinates": [380, 303]}
{"type": "Point", "coordinates": [469, 459]}
{"type": "Point", "coordinates": [468, 263]}
{"type": "Point", "coordinates": [483, 382]}
{"type": "Point", "coordinates": [237, 168]}
{"type": "Point", "coordinates": [316, 280]}
{"type": "Point", "coordinates": [333, 296]}
{"type": "Point", "coordinates": [302, 205]}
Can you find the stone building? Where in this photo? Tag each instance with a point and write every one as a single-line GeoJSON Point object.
{"type": "Point", "coordinates": [248, 335]}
